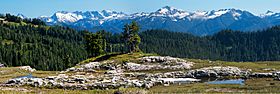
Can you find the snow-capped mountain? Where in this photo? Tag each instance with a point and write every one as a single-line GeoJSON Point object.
{"type": "Point", "coordinates": [21, 16]}
{"type": "Point", "coordinates": [170, 18]}
{"type": "Point", "coordinates": [72, 17]}
{"type": "Point", "coordinates": [272, 17]}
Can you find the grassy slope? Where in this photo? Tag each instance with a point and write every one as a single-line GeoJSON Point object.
{"type": "Point", "coordinates": [252, 85]}
{"type": "Point", "coordinates": [118, 57]}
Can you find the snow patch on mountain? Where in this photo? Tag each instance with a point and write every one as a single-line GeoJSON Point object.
{"type": "Point", "coordinates": [68, 17]}
{"type": "Point", "coordinates": [199, 15]}
{"type": "Point", "coordinates": [214, 14]}
{"type": "Point", "coordinates": [168, 11]}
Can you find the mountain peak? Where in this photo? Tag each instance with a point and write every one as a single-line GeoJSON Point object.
{"type": "Point", "coordinates": [21, 16]}
{"type": "Point", "coordinates": [64, 16]}
{"type": "Point", "coordinates": [64, 12]}
{"type": "Point", "coordinates": [108, 11]}
{"type": "Point", "coordinates": [268, 12]}
{"type": "Point", "coordinates": [216, 13]}
{"type": "Point", "coordinates": [111, 12]}
{"type": "Point", "coordinates": [168, 7]}
{"type": "Point", "coordinates": [168, 10]}
{"type": "Point", "coordinates": [228, 10]}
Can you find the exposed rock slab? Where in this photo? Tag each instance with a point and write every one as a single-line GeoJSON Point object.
{"type": "Point", "coordinates": [218, 71]}
{"type": "Point", "coordinates": [27, 68]}
{"type": "Point", "coordinates": [159, 62]}
{"type": "Point", "coordinates": [2, 65]}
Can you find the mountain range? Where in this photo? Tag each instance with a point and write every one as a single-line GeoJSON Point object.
{"type": "Point", "coordinates": [169, 18]}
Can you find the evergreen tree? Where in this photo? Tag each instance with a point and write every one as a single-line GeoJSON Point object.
{"type": "Point", "coordinates": [131, 37]}
{"type": "Point", "coordinates": [95, 43]}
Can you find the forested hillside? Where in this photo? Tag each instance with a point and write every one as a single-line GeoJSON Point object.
{"type": "Point", "coordinates": [31, 42]}
{"type": "Point", "coordinates": [178, 44]}
{"type": "Point", "coordinates": [226, 45]}
{"type": "Point", "coordinates": [23, 42]}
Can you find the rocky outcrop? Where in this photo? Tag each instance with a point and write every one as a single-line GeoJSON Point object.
{"type": "Point", "coordinates": [218, 71]}
{"type": "Point", "coordinates": [116, 76]}
{"type": "Point", "coordinates": [113, 79]}
{"type": "Point", "coordinates": [92, 66]}
{"type": "Point", "coordinates": [178, 80]}
{"type": "Point", "coordinates": [262, 75]}
{"type": "Point", "coordinates": [27, 68]}
{"type": "Point", "coordinates": [159, 62]}
{"type": "Point", "coordinates": [26, 81]}
{"type": "Point", "coordinates": [89, 67]}
{"type": "Point", "coordinates": [161, 59]}
{"type": "Point", "coordinates": [82, 82]}
{"type": "Point", "coordinates": [111, 75]}
{"type": "Point", "coordinates": [146, 63]}
{"type": "Point", "coordinates": [103, 81]}
{"type": "Point", "coordinates": [138, 67]}
{"type": "Point", "coordinates": [2, 65]}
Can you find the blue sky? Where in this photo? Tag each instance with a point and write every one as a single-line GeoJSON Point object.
{"type": "Point", "coordinates": [35, 8]}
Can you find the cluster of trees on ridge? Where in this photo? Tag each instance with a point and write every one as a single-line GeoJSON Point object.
{"type": "Point", "coordinates": [102, 42]}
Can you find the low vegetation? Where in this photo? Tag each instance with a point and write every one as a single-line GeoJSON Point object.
{"type": "Point", "coordinates": [118, 57]}
{"type": "Point", "coordinates": [259, 85]}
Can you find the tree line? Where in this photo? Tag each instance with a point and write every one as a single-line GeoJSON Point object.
{"type": "Point", "coordinates": [225, 45]}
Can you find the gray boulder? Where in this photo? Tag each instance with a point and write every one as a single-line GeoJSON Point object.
{"type": "Point", "coordinates": [2, 65]}
{"type": "Point", "coordinates": [27, 68]}
{"type": "Point", "coordinates": [217, 71]}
